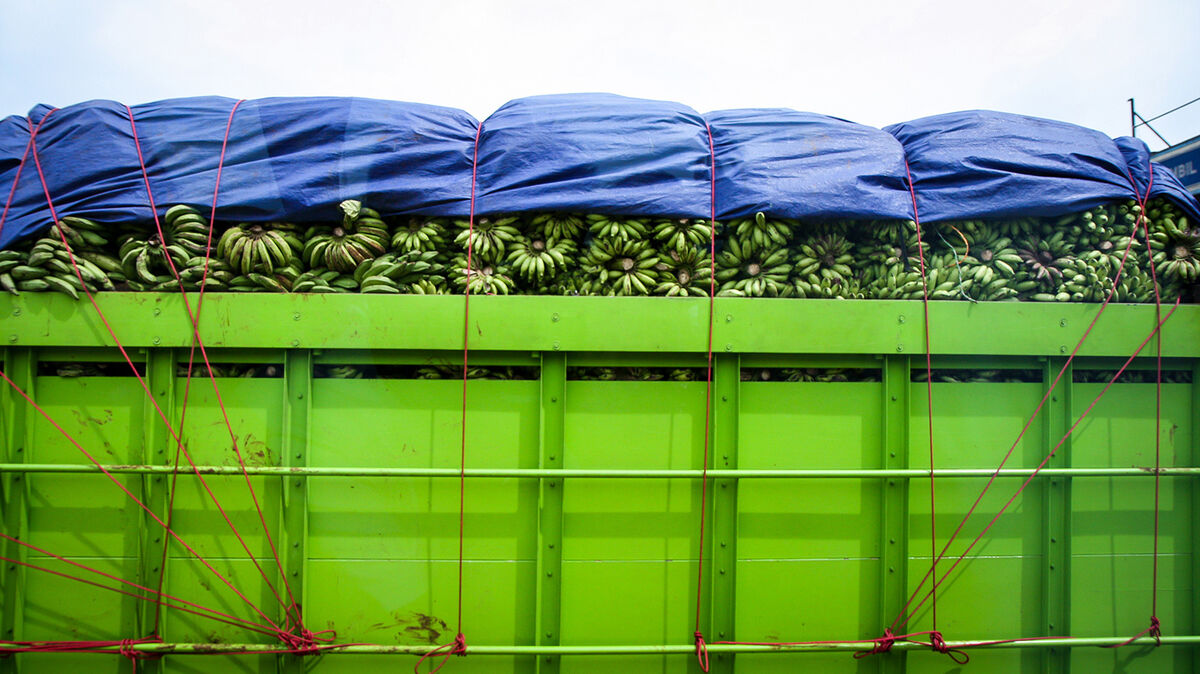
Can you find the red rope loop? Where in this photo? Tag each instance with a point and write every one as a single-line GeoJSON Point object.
{"type": "Point", "coordinates": [1154, 630]}
{"type": "Point", "coordinates": [701, 651]}
{"type": "Point", "coordinates": [126, 650]}
{"type": "Point", "coordinates": [305, 641]}
{"type": "Point", "coordinates": [458, 647]}
{"type": "Point", "coordinates": [938, 643]}
{"type": "Point", "coordinates": [882, 645]}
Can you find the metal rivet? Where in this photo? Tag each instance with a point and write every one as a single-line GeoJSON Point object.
{"type": "Point", "coordinates": [722, 572]}
{"type": "Point", "coordinates": [552, 457]}
{"type": "Point", "coordinates": [549, 635]}
{"type": "Point", "coordinates": [1053, 540]}
{"type": "Point", "coordinates": [891, 569]}
{"type": "Point", "coordinates": [1051, 567]}
{"type": "Point", "coordinates": [729, 347]}
{"type": "Point", "coordinates": [895, 398]}
{"type": "Point", "coordinates": [1062, 323]}
{"type": "Point", "coordinates": [549, 574]}
{"type": "Point", "coordinates": [554, 318]}
{"type": "Point", "coordinates": [556, 346]}
{"type": "Point", "coordinates": [1054, 399]}
{"type": "Point", "coordinates": [899, 347]}
{"type": "Point", "coordinates": [296, 316]}
{"type": "Point", "coordinates": [724, 544]}
{"type": "Point", "coordinates": [12, 338]}
{"type": "Point", "coordinates": [1062, 349]}
{"type": "Point", "coordinates": [552, 484]}
{"type": "Point", "coordinates": [892, 541]}
{"type": "Point", "coordinates": [724, 399]}
{"type": "Point", "coordinates": [551, 546]}
{"type": "Point", "coordinates": [892, 454]}
{"type": "Point", "coordinates": [901, 318]}
{"type": "Point", "coordinates": [891, 483]}
{"type": "Point", "coordinates": [728, 318]}
{"type": "Point", "coordinates": [295, 342]}
{"type": "Point", "coordinates": [17, 311]}
{"type": "Point", "coordinates": [157, 340]}
{"type": "Point", "coordinates": [553, 399]}
{"type": "Point", "coordinates": [157, 311]}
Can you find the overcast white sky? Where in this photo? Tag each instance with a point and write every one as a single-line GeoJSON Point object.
{"type": "Point", "coordinates": [871, 62]}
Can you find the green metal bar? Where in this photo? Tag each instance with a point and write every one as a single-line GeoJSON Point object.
{"type": "Point", "coordinates": [893, 568]}
{"type": "Point", "coordinates": [157, 451]}
{"type": "Point", "coordinates": [653, 649]}
{"type": "Point", "coordinates": [1056, 523]}
{"type": "Point", "coordinates": [20, 365]}
{"type": "Point", "coordinates": [550, 508]}
{"type": "Point", "coordinates": [649, 324]}
{"type": "Point", "coordinates": [539, 473]}
{"type": "Point", "coordinates": [722, 544]}
{"type": "Point", "coordinates": [297, 384]}
{"type": "Point", "coordinates": [1195, 430]}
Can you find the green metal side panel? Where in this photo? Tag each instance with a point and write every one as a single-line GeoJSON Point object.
{"type": "Point", "coordinates": [594, 562]}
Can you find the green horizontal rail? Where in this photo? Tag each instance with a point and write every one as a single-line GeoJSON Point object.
{"type": "Point", "coordinates": [649, 649]}
{"type": "Point", "coordinates": [539, 473]}
{"type": "Point", "coordinates": [585, 324]}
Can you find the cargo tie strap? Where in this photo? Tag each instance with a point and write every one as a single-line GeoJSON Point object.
{"type": "Point", "coordinates": [882, 645]}
{"type": "Point", "coordinates": [457, 647]}
{"type": "Point", "coordinates": [701, 650]}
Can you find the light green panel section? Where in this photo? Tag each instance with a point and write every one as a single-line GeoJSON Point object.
{"type": "Point", "coordinates": [415, 602]}
{"type": "Point", "coordinates": [638, 425]}
{"type": "Point", "coordinates": [808, 425]}
{"type": "Point", "coordinates": [628, 602]}
{"type": "Point", "coordinates": [1117, 515]}
{"type": "Point", "coordinates": [103, 414]}
{"type": "Point", "coordinates": [413, 423]}
{"type": "Point", "coordinates": [191, 581]}
{"type": "Point", "coordinates": [807, 600]}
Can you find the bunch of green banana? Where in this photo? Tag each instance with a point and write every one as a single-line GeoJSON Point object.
{"type": "Point", "coordinates": [1044, 258]}
{"type": "Point", "coordinates": [826, 257]}
{"type": "Point", "coordinates": [895, 284]}
{"type": "Point", "coordinates": [281, 280]}
{"type": "Point", "coordinates": [420, 234]}
{"type": "Point", "coordinates": [987, 259]}
{"type": "Point", "coordinates": [763, 232]}
{"type": "Point", "coordinates": [538, 260]}
{"type": "Point", "coordinates": [483, 278]}
{"type": "Point", "coordinates": [1175, 249]}
{"type": "Point", "coordinates": [49, 265]}
{"type": "Point", "coordinates": [185, 227]}
{"type": "Point", "coordinates": [616, 229]}
{"type": "Point", "coordinates": [680, 234]}
{"type": "Point", "coordinates": [361, 236]}
{"type": "Point", "coordinates": [623, 267]}
{"type": "Point", "coordinates": [684, 273]}
{"type": "Point", "coordinates": [815, 375]}
{"type": "Point", "coordinates": [746, 270]}
{"type": "Point", "coordinates": [258, 247]}
{"type": "Point", "coordinates": [324, 280]}
{"type": "Point", "coordinates": [488, 239]}
{"type": "Point", "coordinates": [558, 226]}
{"type": "Point", "coordinates": [148, 265]}
{"type": "Point", "coordinates": [343, 372]}
{"type": "Point", "coordinates": [213, 273]}
{"type": "Point", "coordinates": [413, 272]}
{"type": "Point", "coordinates": [846, 287]}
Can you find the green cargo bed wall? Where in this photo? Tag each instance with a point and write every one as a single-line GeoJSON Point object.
{"type": "Point", "coordinates": [819, 497]}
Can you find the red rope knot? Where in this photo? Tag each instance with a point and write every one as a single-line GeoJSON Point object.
{"type": "Point", "coordinates": [459, 648]}
{"type": "Point", "coordinates": [305, 641]}
{"type": "Point", "coordinates": [882, 645]}
{"type": "Point", "coordinates": [701, 650]}
{"type": "Point", "coordinates": [1156, 630]}
{"type": "Point", "coordinates": [938, 643]}
{"type": "Point", "coordinates": [126, 650]}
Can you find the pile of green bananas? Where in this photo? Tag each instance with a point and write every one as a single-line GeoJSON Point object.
{"type": "Point", "coordinates": [51, 264]}
{"type": "Point", "coordinates": [1083, 257]}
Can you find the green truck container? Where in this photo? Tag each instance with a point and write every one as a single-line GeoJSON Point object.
{"type": "Point", "coordinates": [583, 496]}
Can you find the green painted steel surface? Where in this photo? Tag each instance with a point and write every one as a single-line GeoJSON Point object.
{"type": "Point", "coordinates": [819, 520]}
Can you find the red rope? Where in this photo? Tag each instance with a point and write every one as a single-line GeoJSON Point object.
{"type": "Point", "coordinates": [137, 375]}
{"type": "Point", "coordinates": [187, 385]}
{"type": "Point", "coordinates": [929, 393]}
{"type": "Point", "coordinates": [1155, 628]}
{"type": "Point", "coordinates": [459, 645]}
{"type": "Point", "coordinates": [194, 319]}
{"type": "Point", "coordinates": [1024, 429]}
{"type": "Point", "coordinates": [698, 636]}
{"type": "Point", "coordinates": [20, 167]}
{"type": "Point", "coordinates": [1045, 460]}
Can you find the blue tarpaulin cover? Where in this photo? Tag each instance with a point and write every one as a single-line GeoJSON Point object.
{"type": "Point", "coordinates": [296, 158]}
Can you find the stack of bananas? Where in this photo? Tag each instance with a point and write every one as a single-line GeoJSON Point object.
{"type": "Point", "coordinates": [49, 264]}
{"type": "Point", "coordinates": [1074, 258]}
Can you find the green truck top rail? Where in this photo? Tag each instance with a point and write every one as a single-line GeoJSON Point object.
{"type": "Point", "coordinates": [593, 324]}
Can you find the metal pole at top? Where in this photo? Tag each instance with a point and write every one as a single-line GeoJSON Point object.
{"type": "Point", "coordinates": [1132, 119]}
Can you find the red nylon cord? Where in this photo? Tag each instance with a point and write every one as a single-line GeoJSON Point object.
{"type": "Point", "coordinates": [194, 319]}
{"type": "Point", "coordinates": [929, 392]}
{"type": "Point", "coordinates": [459, 645]}
{"type": "Point", "coordinates": [129, 361]}
{"type": "Point", "coordinates": [1024, 429]}
{"type": "Point", "coordinates": [192, 351]}
{"type": "Point", "coordinates": [698, 635]}
{"type": "Point", "coordinates": [1045, 460]}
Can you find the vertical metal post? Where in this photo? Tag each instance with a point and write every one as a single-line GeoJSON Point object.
{"type": "Point", "coordinates": [1132, 119]}
{"type": "Point", "coordinates": [157, 449]}
{"type": "Point", "coordinates": [297, 385]}
{"type": "Point", "coordinates": [893, 584]}
{"type": "Point", "coordinates": [1056, 523]}
{"type": "Point", "coordinates": [722, 544]}
{"type": "Point", "coordinates": [1195, 429]}
{"type": "Point", "coordinates": [550, 508]}
{"type": "Point", "coordinates": [20, 365]}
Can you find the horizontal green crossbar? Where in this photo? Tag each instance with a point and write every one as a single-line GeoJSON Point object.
{"type": "Point", "coordinates": [590, 324]}
{"type": "Point", "coordinates": [536, 473]}
{"type": "Point", "coordinates": [650, 649]}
